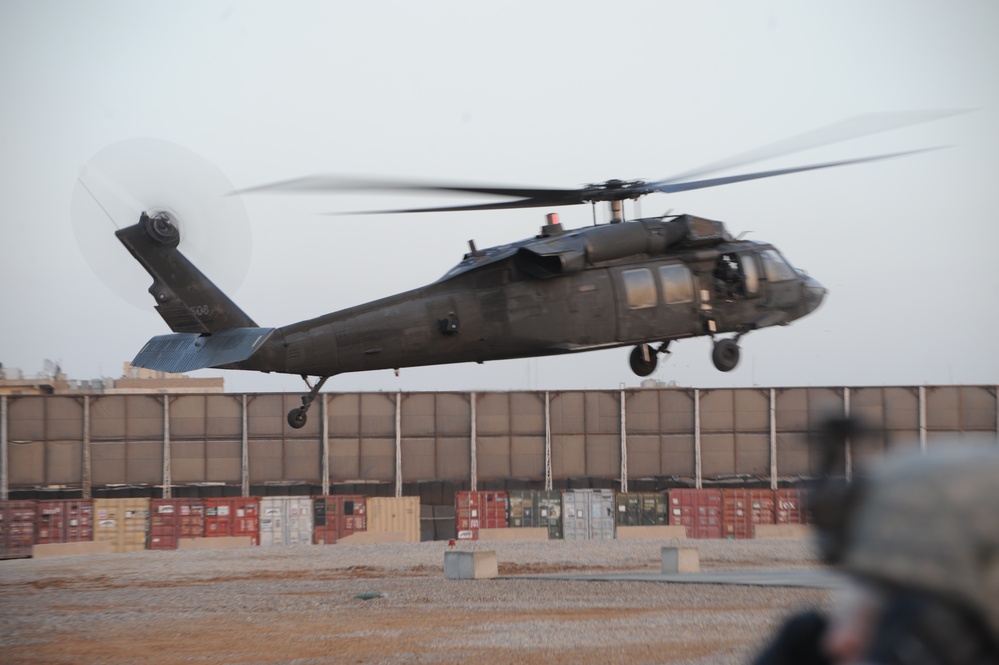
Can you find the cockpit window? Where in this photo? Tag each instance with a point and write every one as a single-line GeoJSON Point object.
{"type": "Point", "coordinates": [639, 288]}
{"type": "Point", "coordinates": [775, 267]}
{"type": "Point", "coordinates": [750, 272]}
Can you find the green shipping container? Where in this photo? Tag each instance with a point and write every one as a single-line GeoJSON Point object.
{"type": "Point", "coordinates": [537, 508]}
{"type": "Point", "coordinates": [641, 509]}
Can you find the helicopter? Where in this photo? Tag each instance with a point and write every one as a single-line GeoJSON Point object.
{"type": "Point", "coordinates": [642, 282]}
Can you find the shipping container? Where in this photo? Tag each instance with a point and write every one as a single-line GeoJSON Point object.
{"type": "Point", "coordinates": [428, 530]}
{"type": "Point", "coordinates": [588, 514]}
{"type": "Point", "coordinates": [698, 510]}
{"type": "Point", "coordinates": [122, 522]}
{"type": "Point", "coordinates": [64, 521]}
{"type": "Point", "coordinates": [790, 506]}
{"type": "Point", "coordinates": [642, 509]}
{"type": "Point", "coordinates": [17, 529]}
{"type": "Point", "coordinates": [395, 514]}
{"type": "Point", "coordinates": [445, 522]}
{"type": "Point", "coordinates": [336, 517]}
{"type": "Point", "coordinates": [173, 519]}
{"type": "Point", "coordinates": [537, 508]}
{"type": "Point", "coordinates": [743, 509]}
{"type": "Point", "coordinates": [286, 520]}
{"type": "Point", "coordinates": [480, 510]}
{"type": "Point", "coordinates": [233, 516]}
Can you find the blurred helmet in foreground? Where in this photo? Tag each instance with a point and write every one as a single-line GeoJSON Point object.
{"type": "Point", "coordinates": [931, 522]}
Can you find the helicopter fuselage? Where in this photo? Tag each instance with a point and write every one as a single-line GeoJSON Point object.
{"type": "Point", "coordinates": [496, 305]}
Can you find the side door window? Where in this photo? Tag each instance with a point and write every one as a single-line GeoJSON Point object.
{"type": "Point", "coordinates": [639, 288]}
{"type": "Point", "coordinates": [678, 284]}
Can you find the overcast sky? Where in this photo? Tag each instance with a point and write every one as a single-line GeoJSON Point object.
{"type": "Point", "coordinates": [537, 93]}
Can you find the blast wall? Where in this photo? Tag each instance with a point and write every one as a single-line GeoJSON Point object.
{"type": "Point", "coordinates": [475, 441]}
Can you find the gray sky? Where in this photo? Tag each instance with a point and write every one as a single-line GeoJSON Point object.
{"type": "Point", "coordinates": [538, 93]}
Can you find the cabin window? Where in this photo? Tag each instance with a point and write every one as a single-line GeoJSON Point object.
{"type": "Point", "coordinates": [678, 284]}
{"type": "Point", "coordinates": [751, 274]}
{"type": "Point", "coordinates": [775, 267]}
{"type": "Point", "coordinates": [639, 288]}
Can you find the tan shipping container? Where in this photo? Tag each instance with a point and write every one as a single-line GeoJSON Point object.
{"type": "Point", "coordinates": [397, 514]}
{"type": "Point", "coordinates": [122, 522]}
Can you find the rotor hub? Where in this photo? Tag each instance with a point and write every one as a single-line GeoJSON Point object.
{"type": "Point", "coordinates": [162, 227]}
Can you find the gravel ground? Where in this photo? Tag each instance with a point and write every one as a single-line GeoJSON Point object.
{"type": "Point", "coordinates": [297, 605]}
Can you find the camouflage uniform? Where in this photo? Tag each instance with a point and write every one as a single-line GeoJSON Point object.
{"type": "Point", "coordinates": [931, 522]}
{"type": "Point", "coordinates": [920, 535]}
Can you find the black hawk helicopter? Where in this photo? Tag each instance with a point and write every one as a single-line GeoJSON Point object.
{"type": "Point", "coordinates": [641, 283]}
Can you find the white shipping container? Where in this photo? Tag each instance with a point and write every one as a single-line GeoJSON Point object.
{"type": "Point", "coordinates": [286, 520]}
{"type": "Point", "coordinates": [588, 515]}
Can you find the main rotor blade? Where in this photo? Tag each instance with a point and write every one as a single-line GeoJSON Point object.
{"type": "Point", "coordinates": [617, 190]}
{"type": "Point", "coordinates": [503, 205]}
{"type": "Point", "coordinates": [851, 128]}
{"type": "Point", "coordinates": [669, 188]}
{"type": "Point", "coordinates": [326, 184]}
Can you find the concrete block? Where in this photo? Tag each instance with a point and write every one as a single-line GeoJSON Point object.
{"type": "Point", "coordinates": [219, 543]}
{"type": "Point", "coordinates": [783, 531]}
{"type": "Point", "coordinates": [660, 532]}
{"type": "Point", "coordinates": [515, 534]}
{"type": "Point", "coordinates": [470, 565]}
{"type": "Point", "coordinates": [680, 560]}
{"type": "Point", "coordinates": [72, 549]}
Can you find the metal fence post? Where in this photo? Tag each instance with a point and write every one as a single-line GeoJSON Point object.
{"type": "Point", "coordinates": [624, 447]}
{"type": "Point", "coordinates": [324, 429]}
{"type": "Point", "coordinates": [87, 474]}
{"type": "Point", "coordinates": [548, 444]}
{"type": "Point", "coordinates": [167, 479]}
{"type": "Point", "coordinates": [398, 444]}
{"type": "Point", "coordinates": [922, 418]}
{"type": "Point", "coordinates": [245, 473]}
{"type": "Point", "coordinates": [773, 439]}
{"type": "Point", "coordinates": [474, 466]}
{"type": "Point", "coordinates": [697, 439]}
{"type": "Point", "coordinates": [848, 448]}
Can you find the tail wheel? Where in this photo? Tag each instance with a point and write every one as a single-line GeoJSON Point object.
{"type": "Point", "coordinates": [725, 355]}
{"type": "Point", "coordinates": [297, 418]}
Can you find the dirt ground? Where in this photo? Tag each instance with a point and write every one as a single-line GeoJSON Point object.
{"type": "Point", "coordinates": [86, 613]}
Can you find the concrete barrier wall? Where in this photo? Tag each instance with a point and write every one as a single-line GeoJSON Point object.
{"type": "Point", "coordinates": [411, 437]}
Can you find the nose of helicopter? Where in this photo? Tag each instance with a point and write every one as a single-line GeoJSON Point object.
{"type": "Point", "coordinates": [814, 294]}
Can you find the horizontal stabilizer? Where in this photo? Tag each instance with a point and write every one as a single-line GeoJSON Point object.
{"type": "Point", "coordinates": [184, 352]}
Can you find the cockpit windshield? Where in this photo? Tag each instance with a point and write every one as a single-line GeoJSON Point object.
{"type": "Point", "coordinates": [776, 268]}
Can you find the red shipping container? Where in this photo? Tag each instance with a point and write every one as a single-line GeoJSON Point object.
{"type": "Point", "coordinates": [64, 521]}
{"type": "Point", "coordinates": [480, 510]}
{"type": "Point", "coordinates": [790, 508]}
{"type": "Point", "coordinates": [743, 509]}
{"type": "Point", "coordinates": [17, 529]}
{"type": "Point", "coordinates": [337, 516]}
{"type": "Point", "coordinates": [172, 519]}
{"type": "Point", "coordinates": [233, 516]}
{"type": "Point", "coordinates": [698, 510]}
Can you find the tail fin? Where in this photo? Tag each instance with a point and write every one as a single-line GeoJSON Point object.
{"type": "Point", "coordinates": [185, 298]}
{"type": "Point", "coordinates": [209, 329]}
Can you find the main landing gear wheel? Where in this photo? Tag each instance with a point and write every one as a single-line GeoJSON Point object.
{"type": "Point", "coordinates": [725, 354]}
{"type": "Point", "coordinates": [643, 360]}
